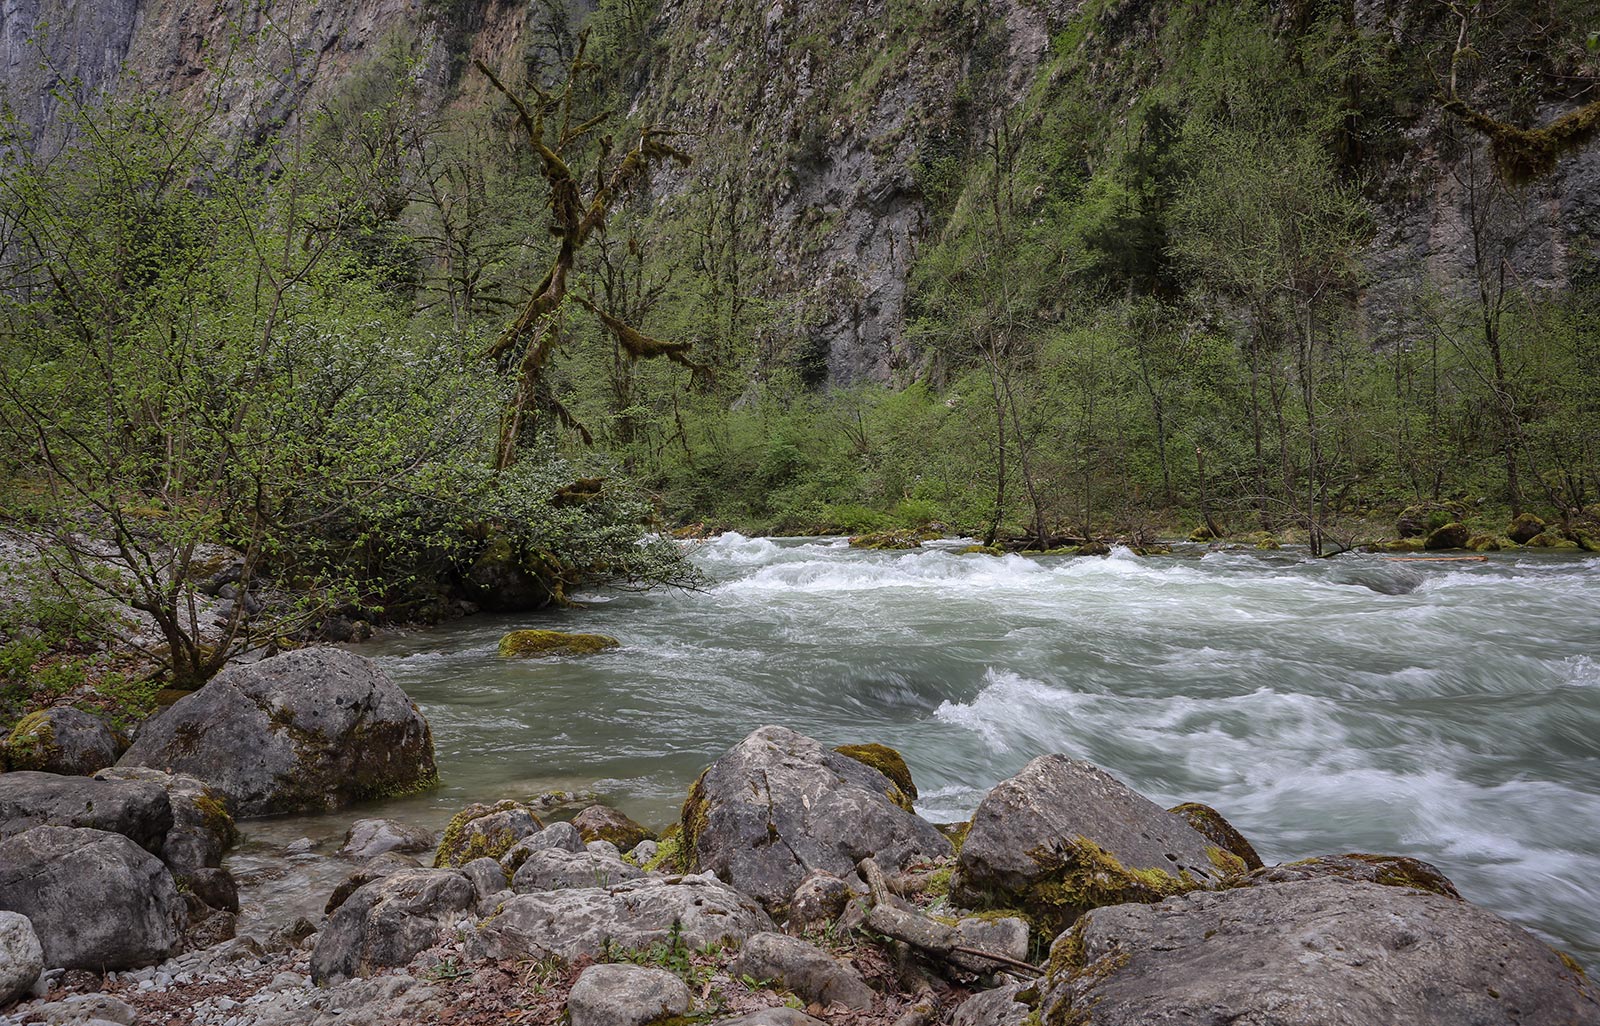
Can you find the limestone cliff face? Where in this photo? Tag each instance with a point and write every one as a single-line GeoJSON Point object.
{"type": "Point", "coordinates": [817, 126]}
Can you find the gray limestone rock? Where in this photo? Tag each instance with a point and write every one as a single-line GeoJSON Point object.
{"type": "Point", "coordinates": [83, 1009]}
{"type": "Point", "coordinates": [625, 995]}
{"type": "Point", "coordinates": [807, 970]}
{"type": "Point", "coordinates": [96, 899]}
{"type": "Point", "coordinates": [1313, 953]}
{"type": "Point", "coordinates": [819, 900]}
{"type": "Point", "coordinates": [772, 1017]}
{"type": "Point", "coordinates": [369, 838]}
{"type": "Point", "coordinates": [388, 922]}
{"type": "Point", "coordinates": [482, 830]}
{"type": "Point", "coordinates": [998, 1007]}
{"type": "Point", "coordinates": [310, 730]}
{"type": "Point", "coordinates": [487, 877]}
{"type": "Point", "coordinates": [779, 805]}
{"type": "Point", "coordinates": [1060, 837]}
{"type": "Point", "coordinates": [21, 957]}
{"type": "Point", "coordinates": [571, 923]}
{"type": "Point", "coordinates": [1007, 936]}
{"type": "Point", "coordinates": [1392, 870]}
{"type": "Point", "coordinates": [202, 831]}
{"type": "Point", "coordinates": [549, 869]}
{"type": "Point", "coordinates": [63, 740]}
{"type": "Point", "coordinates": [138, 810]}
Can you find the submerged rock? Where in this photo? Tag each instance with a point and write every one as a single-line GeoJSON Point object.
{"type": "Point", "coordinates": [305, 731]}
{"type": "Point", "coordinates": [625, 995]}
{"type": "Point", "coordinates": [1064, 836]}
{"type": "Point", "coordinates": [779, 805]}
{"type": "Point", "coordinates": [369, 838]}
{"type": "Point", "coordinates": [65, 740]}
{"type": "Point", "coordinates": [522, 644]}
{"type": "Point", "coordinates": [1313, 953]}
{"type": "Point", "coordinates": [572, 923]}
{"type": "Point", "coordinates": [388, 922]}
{"type": "Point", "coordinates": [96, 899]}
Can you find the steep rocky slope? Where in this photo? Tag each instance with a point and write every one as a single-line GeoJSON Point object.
{"type": "Point", "coordinates": [827, 133]}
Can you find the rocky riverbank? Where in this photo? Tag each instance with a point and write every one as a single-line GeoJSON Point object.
{"type": "Point", "coordinates": [799, 886]}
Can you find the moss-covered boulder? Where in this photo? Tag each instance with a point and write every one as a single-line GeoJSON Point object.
{"type": "Point", "coordinates": [1423, 519]}
{"type": "Point", "coordinates": [888, 762]}
{"type": "Point", "coordinates": [1400, 545]}
{"type": "Point", "coordinates": [1484, 543]}
{"type": "Point", "coordinates": [1389, 870]}
{"type": "Point", "coordinates": [780, 805]}
{"type": "Point", "coordinates": [1266, 541]}
{"type": "Point", "coordinates": [1063, 836]}
{"type": "Point", "coordinates": [484, 831]}
{"type": "Point", "coordinates": [1525, 527]}
{"type": "Point", "coordinates": [525, 644]}
{"type": "Point", "coordinates": [983, 550]}
{"type": "Point", "coordinates": [1094, 548]}
{"type": "Point", "coordinates": [1219, 831]}
{"type": "Point", "coordinates": [307, 731]}
{"type": "Point", "coordinates": [1202, 534]}
{"type": "Point", "coordinates": [62, 740]}
{"type": "Point", "coordinates": [1453, 535]}
{"type": "Point", "coordinates": [1554, 541]}
{"type": "Point", "coordinates": [603, 823]}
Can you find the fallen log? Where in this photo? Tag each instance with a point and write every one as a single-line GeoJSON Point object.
{"type": "Point", "coordinates": [928, 935]}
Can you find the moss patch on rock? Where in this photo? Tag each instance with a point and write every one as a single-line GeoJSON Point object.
{"type": "Point", "coordinates": [1083, 876]}
{"type": "Point", "coordinates": [888, 762]}
{"type": "Point", "coordinates": [1215, 828]}
{"type": "Point", "coordinates": [31, 743]}
{"type": "Point", "coordinates": [465, 840]}
{"type": "Point", "coordinates": [694, 816]}
{"type": "Point", "coordinates": [888, 540]}
{"type": "Point", "coordinates": [523, 644]}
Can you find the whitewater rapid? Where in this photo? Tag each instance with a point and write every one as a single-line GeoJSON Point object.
{"type": "Point", "coordinates": [1449, 711]}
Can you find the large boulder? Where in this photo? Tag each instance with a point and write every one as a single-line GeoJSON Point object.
{"type": "Point", "coordinates": [389, 921]}
{"type": "Point", "coordinates": [21, 957]}
{"type": "Point", "coordinates": [780, 805]}
{"type": "Point", "coordinates": [139, 810]}
{"type": "Point", "coordinates": [1063, 836]}
{"type": "Point", "coordinates": [311, 730]}
{"type": "Point", "coordinates": [1314, 953]}
{"type": "Point", "coordinates": [60, 741]}
{"type": "Point", "coordinates": [97, 900]}
{"type": "Point", "coordinates": [202, 830]}
{"type": "Point", "coordinates": [625, 995]}
{"type": "Point", "coordinates": [569, 924]}
{"type": "Point", "coordinates": [1524, 528]}
{"type": "Point", "coordinates": [1453, 535]}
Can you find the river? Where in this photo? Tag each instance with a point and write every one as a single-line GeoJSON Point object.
{"type": "Point", "coordinates": [1448, 710]}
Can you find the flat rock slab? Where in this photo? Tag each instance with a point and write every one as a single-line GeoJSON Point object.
{"type": "Point", "coordinates": [138, 810]}
{"type": "Point", "coordinates": [625, 995]}
{"type": "Point", "coordinates": [572, 923]}
{"type": "Point", "coordinates": [780, 805]}
{"type": "Point", "coordinates": [96, 899]}
{"type": "Point", "coordinates": [1064, 836]}
{"type": "Point", "coordinates": [1314, 953]}
{"type": "Point", "coordinates": [306, 731]}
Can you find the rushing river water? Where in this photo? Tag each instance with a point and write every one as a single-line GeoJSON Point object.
{"type": "Point", "coordinates": [1446, 710]}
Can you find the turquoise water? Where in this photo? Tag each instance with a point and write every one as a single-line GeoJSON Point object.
{"type": "Point", "coordinates": [1449, 711]}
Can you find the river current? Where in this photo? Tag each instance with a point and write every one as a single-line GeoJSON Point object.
{"type": "Point", "coordinates": [1446, 710]}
